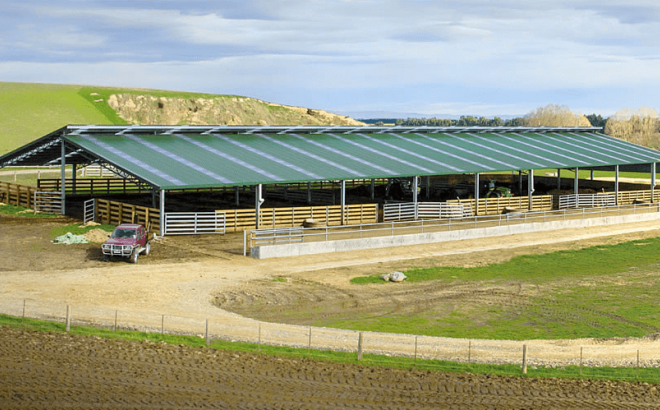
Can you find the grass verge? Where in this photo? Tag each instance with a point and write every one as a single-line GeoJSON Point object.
{"type": "Point", "coordinates": [23, 212]}
{"type": "Point", "coordinates": [77, 229]}
{"type": "Point", "coordinates": [625, 374]}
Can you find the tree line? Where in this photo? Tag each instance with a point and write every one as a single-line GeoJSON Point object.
{"type": "Point", "coordinates": [640, 126]}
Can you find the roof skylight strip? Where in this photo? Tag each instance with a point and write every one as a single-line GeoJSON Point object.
{"type": "Point", "coordinates": [132, 159]}
{"type": "Point", "coordinates": [268, 156]}
{"type": "Point", "coordinates": [449, 154]}
{"type": "Point", "coordinates": [414, 154]}
{"type": "Point", "coordinates": [560, 148]}
{"type": "Point", "coordinates": [516, 149]}
{"type": "Point", "coordinates": [500, 151]}
{"type": "Point", "coordinates": [583, 147]}
{"type": "Point", "coordinates": [618, 145]}
{"type": "Point", "coordinates": [581, 139]}
{"type": "Point", "coordinates": [537, 147]}
{"type": "Point", "coordinates": [313, 156]}
{"type": "Point", "coordinates": [628, 146]}
{"type": "Point", "coordinates": [343, 154]}
{"type": "Point", "coordinates": [466, 150]}
{"type": "Point", "coordinates": [179, 159]}
{"type": "Point", "coordinates": [375, 151]}
{"type": "Point", "coordinates": [230, 158]}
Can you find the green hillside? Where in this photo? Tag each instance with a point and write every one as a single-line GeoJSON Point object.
{"type": "Point", "coordinates": [29, 111]}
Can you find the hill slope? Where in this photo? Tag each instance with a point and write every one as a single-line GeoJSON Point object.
{"type": "Point", "coordinates": [29, 111]}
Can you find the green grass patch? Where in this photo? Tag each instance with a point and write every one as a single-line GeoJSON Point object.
{"type": "Point", "coordinates": [78, 229]}
{"type": "Point", "coordinates": [648, 375]}
{"type": "Point", "coordinates": [592, 261]}
{"type": "Point", "coordinates": [23, 212]}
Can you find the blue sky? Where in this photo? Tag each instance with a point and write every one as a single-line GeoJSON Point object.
{"type": "Point", "coordinates": [473, 57]}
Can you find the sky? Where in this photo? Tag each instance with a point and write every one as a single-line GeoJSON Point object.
{"type": "Point", "coordinates": [363, 58]}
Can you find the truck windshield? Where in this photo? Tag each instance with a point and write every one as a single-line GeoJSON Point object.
{"type": "Point", "coordinates": [123, 233]}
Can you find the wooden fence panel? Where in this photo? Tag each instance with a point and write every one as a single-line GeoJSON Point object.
{"type": "Point", "coordinates": [19, 195]}
{"type": "Point", "coordinates": [244, 219]}
{"type": "Point", "coordinates": [628, 197]}
{"type": "Point", "coordinates": [493, 206]}
{"type": "Point", "coordinates": [115, 213]}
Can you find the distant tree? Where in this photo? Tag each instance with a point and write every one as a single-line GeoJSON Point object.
{"type": "Point", "coordinates": [553, 115]}
{"type": "Point", "coordinates": [496, 122]}
{"type": "Point", "coordinates": [640, 126]}
{"type": "Point", "coordinates": [596, 120]}
{"type": "Point", "coordinates": [379, 123]}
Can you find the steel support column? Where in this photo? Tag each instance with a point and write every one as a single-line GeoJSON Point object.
{"type": "Point", "coordinates": [575, 181]}
{"type": "Point", "coordinates": [652, 181]}
{"type": "Point", "coordinates": [530, 188]}
{"type": "Point", "coordinates": [520, 182]}
{"type": "Point", "coordinates": [237, 195]}
{"type": "Point", "coordinates": [309, 193]}
{"type": "Point", "coordinates": [162, 212]}
{"type": "Point", "coordinates": [428, 187]}
{"type": "Point", "coordinates": [73, 178]}
{"type": "Point", "coordinates": [592, 174]}
{"type": "Point", "coordinates": [616, 183]}
{"type": "Point", "coordinates": [414, 188]}
{"type": "Point", "coordinates": [258, 200]}
{"type": "Point", "coordinates": [343, 199]}
{"type": "Point", "coordinates": [476, 194]}
{"type": "Point", "coordinates": [558, 178]}
{"type": "Point", "coordinates": [153, 197]}
{"type": "Point", "coordinates": [63, 177]}
{"type": "Point", "coordinates": [373, 189]}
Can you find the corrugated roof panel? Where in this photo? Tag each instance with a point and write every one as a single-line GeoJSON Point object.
{"type": "Point", "coordinates": [205, 156]}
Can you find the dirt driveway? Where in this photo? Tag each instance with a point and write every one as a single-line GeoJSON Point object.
{"type": "Point", "coordinates": [181, 278]}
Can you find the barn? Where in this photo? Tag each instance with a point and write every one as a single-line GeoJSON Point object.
{"type": "Point", "coordinates": [252, 164]}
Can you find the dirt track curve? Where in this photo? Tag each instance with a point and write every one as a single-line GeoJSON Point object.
{"type": "Point", "coordinates": [58, 371]}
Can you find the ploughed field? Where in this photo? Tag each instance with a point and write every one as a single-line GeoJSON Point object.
{"type": "Point", "coordinates": [56, 370]}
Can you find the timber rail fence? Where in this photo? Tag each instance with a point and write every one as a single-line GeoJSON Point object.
{"type": "Point", "coordinates": [438, 353]}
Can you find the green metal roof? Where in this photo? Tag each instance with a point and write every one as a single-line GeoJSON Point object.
{"type": "Point", "coordinates": [205, 156]}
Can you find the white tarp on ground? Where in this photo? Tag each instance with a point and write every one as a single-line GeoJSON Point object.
{"type": "Point", "coordinates": [69, 239]}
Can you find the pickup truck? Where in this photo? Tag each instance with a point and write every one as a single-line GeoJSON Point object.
{"type": "Point", "coordinates": [127, 241]}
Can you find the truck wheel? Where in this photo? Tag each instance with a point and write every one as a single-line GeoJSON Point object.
{"type": "Point", "coordinates": [147, 248]}
{"type": "Point", "coordinates": [134, 256]}
{"type": "Point", "coordinates": [106, 258]}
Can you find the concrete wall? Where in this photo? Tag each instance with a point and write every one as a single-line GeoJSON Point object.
{"type": "Point", "coordinates": [298, 249]}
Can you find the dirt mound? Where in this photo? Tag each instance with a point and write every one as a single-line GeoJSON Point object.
{"type": "Point", "coordinates": [96, 235]}
{"type": "Point", "coordinates": [227, 110]}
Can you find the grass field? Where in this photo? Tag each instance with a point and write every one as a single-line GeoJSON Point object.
{"type": "Point", "coordinates": [602, 291]}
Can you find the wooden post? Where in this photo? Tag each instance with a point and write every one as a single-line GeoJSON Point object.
{"type": "Point", "coordinates": [162, 324]}
{"type": "Point", "coordinates": [524, 360]}
{"type": "Point", "coordinates": [309, 343]}
{"type": "Point", "coordinates": [415, 359]}
{"type": "Point", "coordinates": [208, 339]}
{"type": "Point", "coordinates": [469, 351]}
{"type": "Point", "coordinates": [580, 361]}
{"type": "Point", "coordinates": [68, 319]}
{"type": "Point", "coordinates": [360, 338]}
{"type": "Point", "coordinates": [115, 328]}
{"type": "Point", "coordinates": [259, 340]}
{"type": "Point", "coordinates": [23, 318]}
{"type": "Point", "coordinates": [637, 371]}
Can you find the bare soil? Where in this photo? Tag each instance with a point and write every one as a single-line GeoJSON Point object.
{"type": "Point", "coordinates": [183, 276]}
{"type": "Point", "coordinates": [44, 370]}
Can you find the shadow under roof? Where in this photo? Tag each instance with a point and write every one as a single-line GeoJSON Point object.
{"type": "Point", "coordinates": [172, 157]}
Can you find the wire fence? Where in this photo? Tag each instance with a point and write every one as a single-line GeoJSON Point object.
{"type": "Point", "coordinates": [624, 361]}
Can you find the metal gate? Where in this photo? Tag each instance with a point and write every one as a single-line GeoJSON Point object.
{"type": "Point", "coordinates": [90, 211]}
{"type": "Point", "coordinates": [424, 210]}
{"type": "Point", "coordinates": [587, 201]}
{"type": "Point", "coordinates": [191, 223]}
{"type": "Point", "coordinates": [48, 201]}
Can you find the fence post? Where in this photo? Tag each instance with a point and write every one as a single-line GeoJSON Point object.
{"type": "Point", "coordinates": [524, 360]}
{"type": "Point", "coordinates": [162, 324]}
{"type": "Point", "coordinates": [360, 347]}
{"type": "Point", "coordinates": [115, 328]}
{"type": "Point", "coordinates": [23, 318]}
{"type": "Point", "coordinates": [244, 243]}
{"type": "Point", "coordinates": [469, 351]}
{"type": "Point", "coordinates": [580, 361]}
{"type": "Point", "coordinates": [309, 344]}
{"type": "Point", "coordinates": [415, 359]}
{"type": "Point", "coordinates": [208, 339]}
{"type": "Point", "coordinates": [637, 371]}
{"type": "Point", "coordinates": [68, 319]}
{"type": "Point", "coordinates": [259, 339]}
